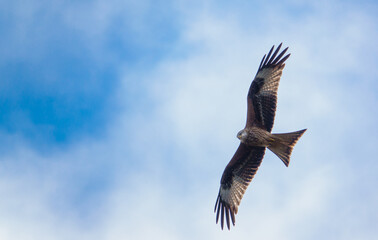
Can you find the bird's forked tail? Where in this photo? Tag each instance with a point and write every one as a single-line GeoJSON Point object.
{"type": "Point", "coordinates": [283, 143]}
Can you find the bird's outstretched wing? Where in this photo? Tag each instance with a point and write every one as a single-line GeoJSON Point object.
{"type": "Point", "coordinates": [262, 94]}
{"type": "Point", "coordinates": [235, 180]}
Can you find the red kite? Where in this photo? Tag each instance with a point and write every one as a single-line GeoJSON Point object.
{"type": "Point", "coordinates": [255, 137]}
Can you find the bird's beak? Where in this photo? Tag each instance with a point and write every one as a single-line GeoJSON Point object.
{"type": "Point", "coordinates": [239, 137]}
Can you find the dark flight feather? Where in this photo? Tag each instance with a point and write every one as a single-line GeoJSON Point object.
{"type": "Point", "coordinates": [235, 180]}
{"type": "Point", "coordinates": [262, 94]}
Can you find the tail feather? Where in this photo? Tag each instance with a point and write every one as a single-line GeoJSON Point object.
{"type": "Point", "coordinates": [283, 144]}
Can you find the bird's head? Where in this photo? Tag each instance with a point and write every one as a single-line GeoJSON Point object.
{"type": "Point", "coordinates": [242, 134]}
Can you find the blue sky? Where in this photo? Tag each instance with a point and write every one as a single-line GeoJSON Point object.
{"type": "Point", "coordinates": [117, 118]}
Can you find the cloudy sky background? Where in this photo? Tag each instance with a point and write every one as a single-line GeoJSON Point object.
{"type": "Point", "coordinates": [117, 118]}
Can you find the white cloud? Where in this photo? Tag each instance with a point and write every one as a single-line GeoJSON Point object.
{"type": "Point", "coordinates": [170, 157]}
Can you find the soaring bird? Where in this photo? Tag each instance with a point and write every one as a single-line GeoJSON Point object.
{"type": "Point", "coordinates": [255, 137]}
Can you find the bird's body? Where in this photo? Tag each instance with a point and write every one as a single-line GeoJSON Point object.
{"type": "Point", "coordinates": [255, 137]}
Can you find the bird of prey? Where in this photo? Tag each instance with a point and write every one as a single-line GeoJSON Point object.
{"type": "Point", "coordinates": [255, 137]}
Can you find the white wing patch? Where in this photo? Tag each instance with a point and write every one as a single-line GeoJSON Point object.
{"type": "Point", "coordinates": [271, 78]}
{"type": "Point", "coordinates": [233, 195]}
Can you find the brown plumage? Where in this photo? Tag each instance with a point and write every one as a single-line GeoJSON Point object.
{"type": "Point", "coordinates": [255, 137]}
